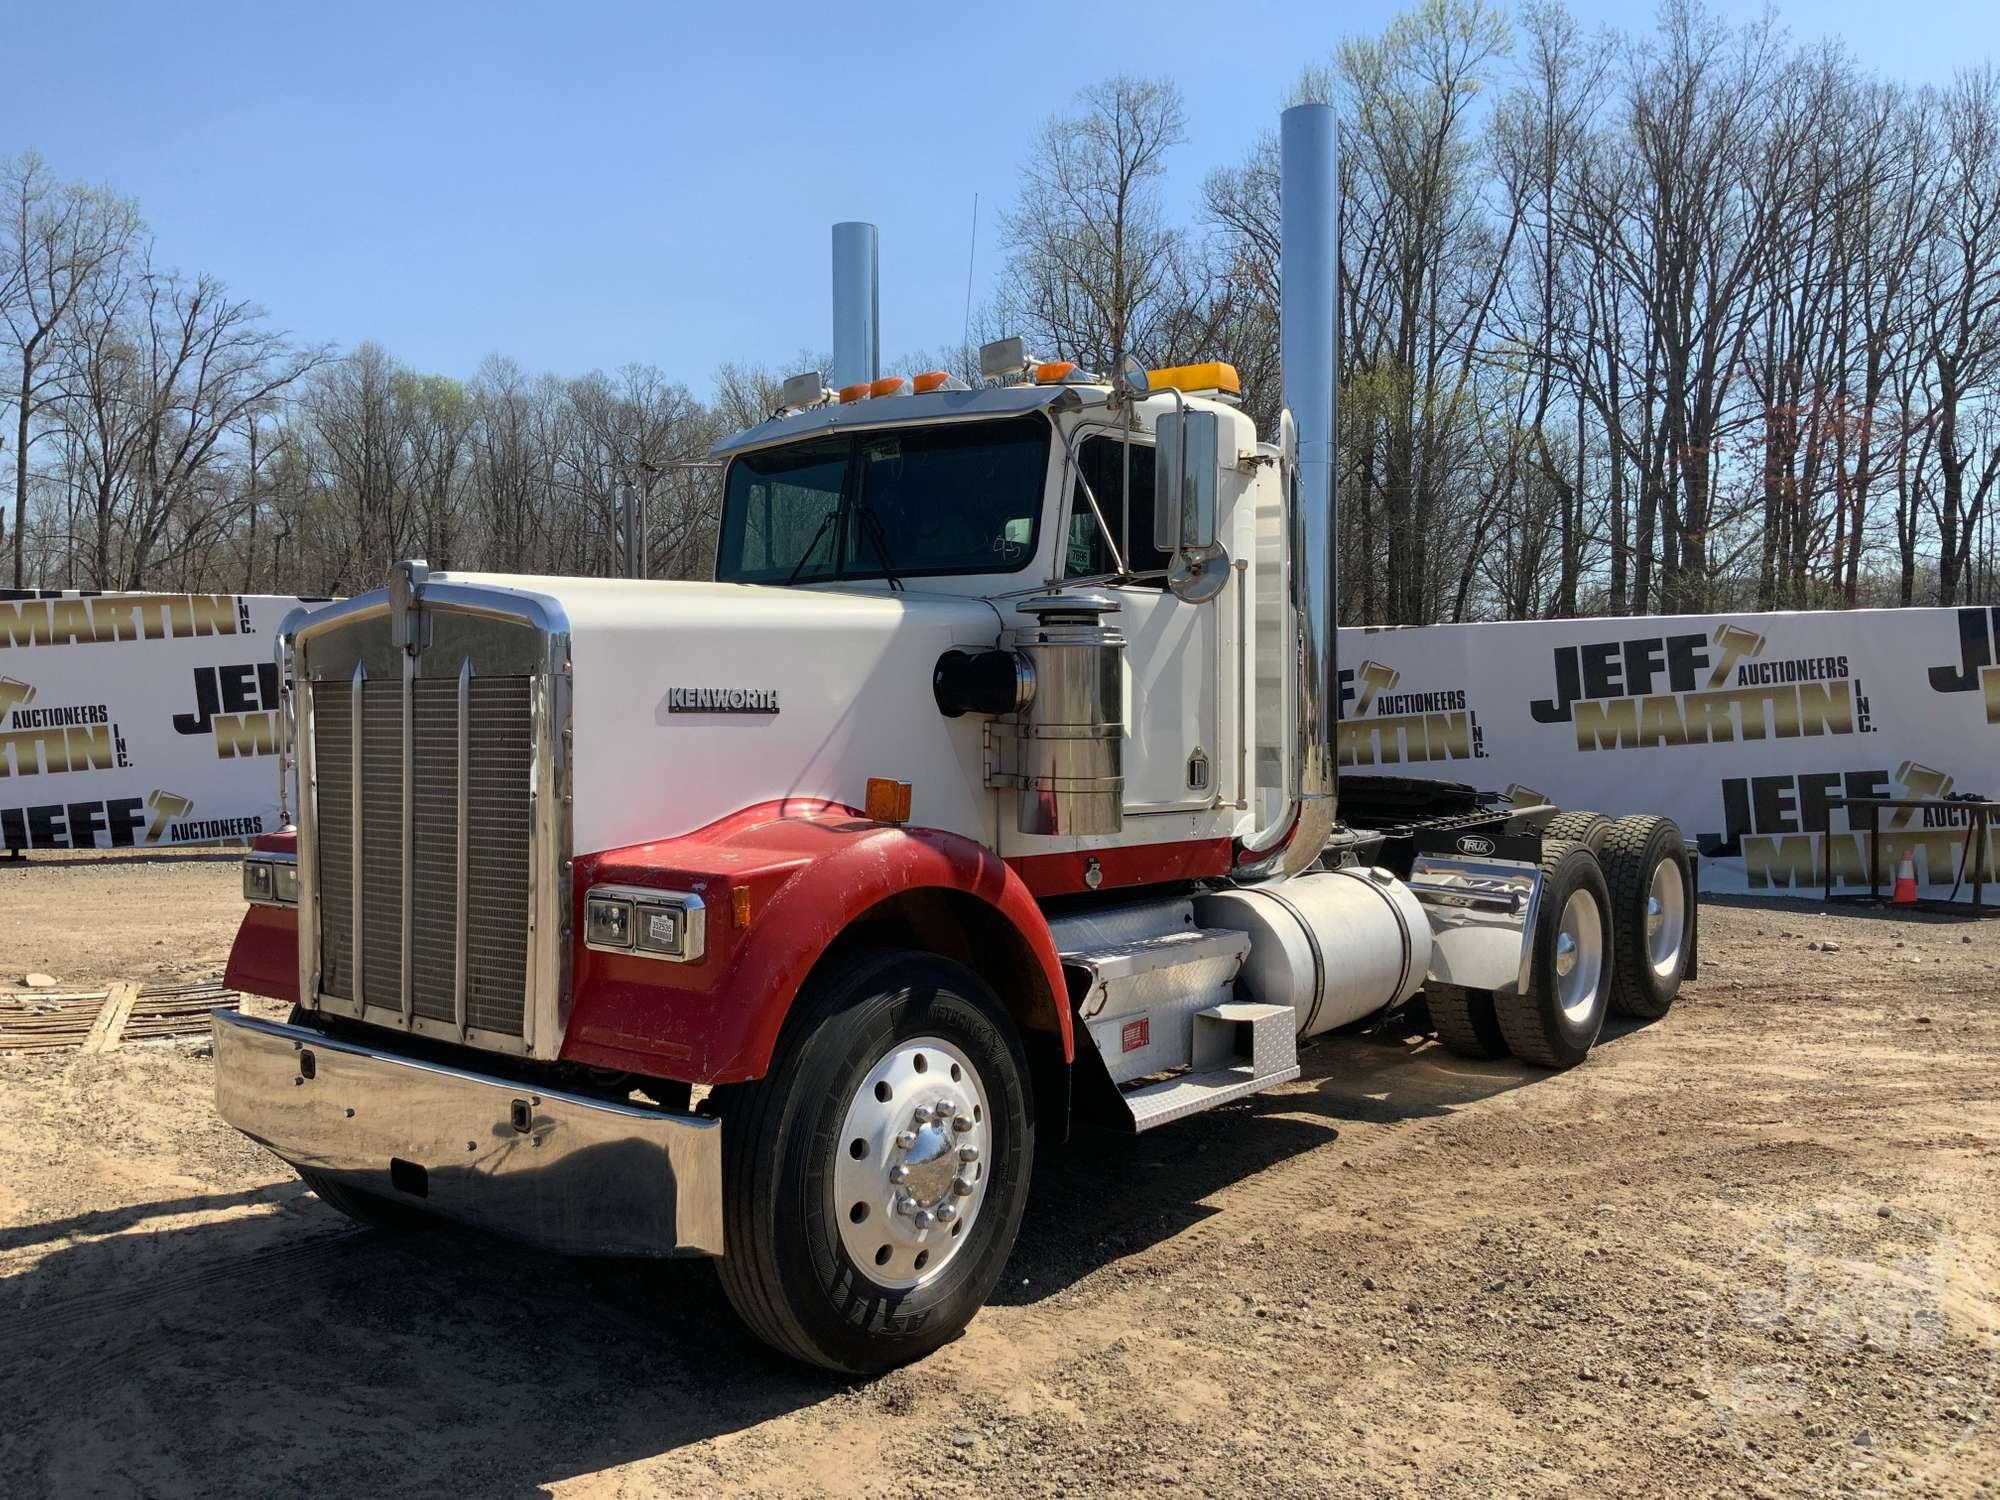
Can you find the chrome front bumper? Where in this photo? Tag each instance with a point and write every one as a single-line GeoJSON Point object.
{"type": "Point", "coordinates": [567, 1173]}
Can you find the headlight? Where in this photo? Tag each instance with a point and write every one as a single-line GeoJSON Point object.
{"type": "Point", "coordinates": [271, 882]}
{"type": "Point", "coordinates": [607, 922]}
{"type": "Point", "coordinates": [672, 925]}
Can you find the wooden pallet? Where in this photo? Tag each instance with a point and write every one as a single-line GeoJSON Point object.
{"type": "Point", "coordinates": [98, 1020]}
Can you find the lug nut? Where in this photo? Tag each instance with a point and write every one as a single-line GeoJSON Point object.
{"type": "Point", "coordinates": [946, 1109]}
{"type": "Point", "coordinates": [924, 1219]}
{"type": "Point", "coordinates": [968, 1154]}
{"type": "Point", "coordinates": [899, 1174]}
{"type": "Point", "coordinates": [922, 1114]}
{"type": "Point", "coordinates": [962, 1186]}
{"type": "Point", "coordinates": [944, 1213]}
{"type": "Point", "coordinates": [907, 1139]}
{"type": "Point", "coordinates": [962, 1124]}
{"type": "Point", "coordinates": [906, 1205]}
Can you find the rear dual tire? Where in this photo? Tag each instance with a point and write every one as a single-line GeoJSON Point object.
{"type": "Point", "coordinates": [1555, 1022]}
{"type": "Point", "coordinates": [1465, 1022]}
{"type": "Point", "coordinates": [1589, 829]}
{"type": "Point", "coordinates": [1652, 901]}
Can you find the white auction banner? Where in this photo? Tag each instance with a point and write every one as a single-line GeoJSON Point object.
{"type": "Point", "coordinates": [1739, 727]}
{"type": "Point", "coordinates": [137, 719]}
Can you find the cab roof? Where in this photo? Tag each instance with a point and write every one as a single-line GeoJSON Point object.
{"type": "Point", "coordinates": [932, 406]}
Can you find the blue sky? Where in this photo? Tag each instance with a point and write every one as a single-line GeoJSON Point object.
{"type": "Point", "coordinates": [587, 184]}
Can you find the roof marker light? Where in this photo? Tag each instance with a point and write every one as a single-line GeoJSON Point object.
{"type": "Point", "coordinates": [930, 380]}
{"type": "Point", "coordinates": [1212, 378]}
{"type": "Point", "coordinates": [1004, 359]}
{"type": "Point", "coordinates": [890, 385]}
{"type": "Point", "coordinates": [804, 390]}
{"type": "Point", "coordinates": [1054, 371]}
{"type": "Point", "coordinates": [856, 392]}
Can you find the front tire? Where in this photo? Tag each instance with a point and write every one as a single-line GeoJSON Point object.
{"type": "Point", "coordinates": [874, 1179]}
{"type": "Point", "coordinates": [1556, 1022]}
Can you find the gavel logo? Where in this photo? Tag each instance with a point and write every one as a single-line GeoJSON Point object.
{"type": "Point", "coordinates": [13, 694]}
{"type": "Point", "coordinates": [1921, 782]}
{"type": "Point", "coordinates": [1374, 678]}
{"type": "Point", "coordinates": [1735, 643]}
{"type": "Point", "coordinates": [165, 807]}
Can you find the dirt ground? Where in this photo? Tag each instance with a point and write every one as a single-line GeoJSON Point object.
{"type": "Point", "coordinates": [1749, 1250]}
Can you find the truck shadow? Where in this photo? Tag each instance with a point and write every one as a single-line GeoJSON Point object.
{"type": "Point", "coordinates": [1109, 1194]}
{"type": "Point", "coordinates": [253, 1341]}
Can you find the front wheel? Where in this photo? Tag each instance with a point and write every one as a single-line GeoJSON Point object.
{"type": "Point", "coordinates": [874, 1179]}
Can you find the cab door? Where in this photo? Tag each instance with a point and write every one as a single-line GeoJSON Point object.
{"type": "Point", "coordinates": [1171, 646]}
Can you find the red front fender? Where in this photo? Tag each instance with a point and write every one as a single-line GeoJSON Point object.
{"type": "Point", "coordinates": [810, 871]}
{"type": "Point", "coordinates": [264, 959]}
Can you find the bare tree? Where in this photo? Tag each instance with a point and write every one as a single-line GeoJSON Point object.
{"type": "Point", "coordinates": [1095, 271]}
{"type": "Point", "coordinates": [55, 240]}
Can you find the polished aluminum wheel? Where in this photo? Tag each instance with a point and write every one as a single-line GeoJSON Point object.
{"type": "Point", "coordinates": [1666, 918]}
{"type": "Point", "coordinates": [1579, 956]}
{"type": "Point", "coordinates": [909, 1170]}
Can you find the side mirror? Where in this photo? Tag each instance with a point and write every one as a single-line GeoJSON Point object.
{"type": "Point", "coordinates": [1187, 474]}
{"type": "Point", "coordinates": [1133, 381]}
{"type": "Point", "coordinates": [1184, 478]}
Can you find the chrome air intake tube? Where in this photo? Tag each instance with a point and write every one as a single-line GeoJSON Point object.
{"type": "Point", "coordinates": [1309, 246]}
{"type": "Point", "coordinates": [857, 332]}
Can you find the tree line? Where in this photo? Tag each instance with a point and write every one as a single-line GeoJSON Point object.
{"type": "Point", "coordinates": [1693, 320]}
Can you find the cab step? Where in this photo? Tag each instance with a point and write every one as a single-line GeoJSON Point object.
{"type": "Point", "coordinates": [1239, 1049]}
{"type": "Point", "coordinates": [1155, 994]}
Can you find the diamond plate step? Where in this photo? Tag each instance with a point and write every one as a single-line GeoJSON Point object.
{"type": "Point", "coordinates": [1221, 1070]}
{"type": "Point", "coordinates": [1139, 997]}
{"type": "Point", "coordinates": [1170, 949]}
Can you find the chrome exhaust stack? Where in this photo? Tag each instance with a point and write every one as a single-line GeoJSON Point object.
{"type": "Point", "coordinates": [1308, 259]}
{"type": "Point", "coordinates": [857, 323]}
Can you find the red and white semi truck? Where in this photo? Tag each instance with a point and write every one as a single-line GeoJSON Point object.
{"type": "Point", "coordinates": [988, 790]}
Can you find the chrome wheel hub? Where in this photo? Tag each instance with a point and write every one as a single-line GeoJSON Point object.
{"type": "Point", "coordinates": [909, 1171]}
{"type": "Point", "coordinates": [1579, 956]}
{"type": "Point", "coordinates": [1666, 918]}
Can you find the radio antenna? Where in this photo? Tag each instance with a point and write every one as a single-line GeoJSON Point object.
{"type": "Point", "coordinates": [971, 254]}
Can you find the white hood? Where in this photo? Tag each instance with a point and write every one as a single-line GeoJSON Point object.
{"type": "Point", "coordinates": [673, 684]}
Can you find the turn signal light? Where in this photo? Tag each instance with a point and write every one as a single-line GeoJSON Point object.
{"type": "Point", "coordinates": [856, 392]}
{"type": "Point", "coordinates": [1213, 378]}
{"type": "Point", "coordinates": [888, 801]}
{"type": "Point", "coordinates": [1054, 371]}
{"type": "Point", "coordinates": [890, 385]}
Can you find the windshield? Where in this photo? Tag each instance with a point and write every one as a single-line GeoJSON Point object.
{"type": "Point", "coordinates": [958, 498]}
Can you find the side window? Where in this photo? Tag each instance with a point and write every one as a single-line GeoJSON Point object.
{"type": "Point", "coordinates": [1101, 461]}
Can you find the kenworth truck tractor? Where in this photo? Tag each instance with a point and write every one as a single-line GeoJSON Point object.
{"type": "Point", "coordinates": [986, 794]}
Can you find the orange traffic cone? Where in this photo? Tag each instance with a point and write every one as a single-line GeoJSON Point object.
{"type": "Point", "coordinates": [1906, 882]}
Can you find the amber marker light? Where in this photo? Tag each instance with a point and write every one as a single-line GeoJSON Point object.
{"type": "Point", "coordinates": [929, 380]}
{"type": "Point", "coordinates": [890, 385]}
{"type": "Point", "coordinates": [739, 904]}
{"type": "Point", "coordinates": [888, 801]}
{"type": "Point", "coordinates": [856, 392]}
{"type": "Point", "coordinates": [1054, 372]}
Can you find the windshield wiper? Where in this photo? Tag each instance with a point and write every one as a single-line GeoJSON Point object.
{"type": "Point", "coordinates": [872, 525]}
{"type": "Point", "coordinates": [812, 546]}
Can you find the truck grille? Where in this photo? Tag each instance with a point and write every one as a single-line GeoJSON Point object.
{"type": "Point", "coordinates": [492, 754]}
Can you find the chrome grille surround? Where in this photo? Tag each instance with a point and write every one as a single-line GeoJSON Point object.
{"type": "Point", "coordinates": [464, 914]}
